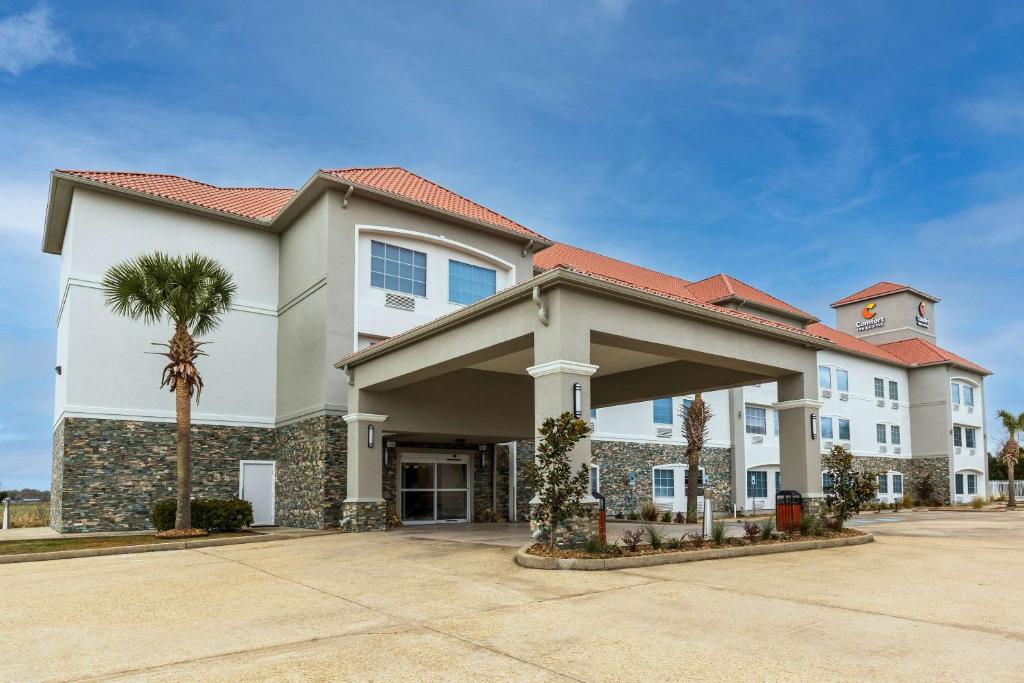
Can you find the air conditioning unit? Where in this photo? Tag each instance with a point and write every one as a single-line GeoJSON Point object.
{"type": "Point", "coordinates": [664, 432]}
{"type": "Point", "coordinates": [758, 439]}
{"type": "Point", "coordinates": [826, 393]}
{"type": "Point", "coordinates": [897, 450]}
{"type": "Point", "coordinates": [971, 451]}
{"type": "Point", "coordinates": [845, 444]}
{"type": "Point", "coordinates": [403, 303]}
{"type": "Point", "coordinates": [957, 450]}
{"type": "Point", "coordinates": [826, 445]}
{"type": "Point", "coordinates": [956, 406]}
{"type": "Point", "coordinates": [844, 396]}
{"type": "Point", "coordinates": [895, 405]}
{"type": "Point", "coordinates": [970, 409]}
{"type": "Point", "coordinates": [880, 402]}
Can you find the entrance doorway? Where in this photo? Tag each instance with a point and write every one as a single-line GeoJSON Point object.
{"type": "Point", "coordinates": [434, 488]}
{"type": "Point", "coordinates": [670, 488]}
{"type": "Point", "coordinates": [256, 485]}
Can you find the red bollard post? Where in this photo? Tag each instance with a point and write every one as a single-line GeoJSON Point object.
{"type": "Point", "coordinates": [602, 526]}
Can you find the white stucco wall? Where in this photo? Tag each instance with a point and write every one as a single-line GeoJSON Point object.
{"type": "Point", "coordinates": [635, 422]}
{"type": "Point", "coordinates": [106, 369]}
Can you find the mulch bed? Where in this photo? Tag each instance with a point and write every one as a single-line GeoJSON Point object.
{"type": "Point", "coordinates": [542, 550]}
{"type": "Point", "coordinates": [182, 533]}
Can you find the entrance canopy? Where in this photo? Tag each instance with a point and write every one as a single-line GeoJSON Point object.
{"type": "Point", "coordinates": [566, 341]}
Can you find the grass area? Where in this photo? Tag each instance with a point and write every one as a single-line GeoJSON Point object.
{"type": "Point", "coordinates": [48, 545]}
{"type": "Point", "coordinates": [29, 514]}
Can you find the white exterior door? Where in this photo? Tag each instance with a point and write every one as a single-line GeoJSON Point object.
{"type": "Point", "coordinates": [434, 488]}
{"type": "Point", "coordinates": [256, 485]}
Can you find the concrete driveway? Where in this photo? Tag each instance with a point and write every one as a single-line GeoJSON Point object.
{"type": "Point", "coordinates": [935, 598]}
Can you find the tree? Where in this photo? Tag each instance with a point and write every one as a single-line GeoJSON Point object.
{"type": "Point", "coordinates": [1011, 449]}
{"type": "Point", "coordinates": [695, 431]}
{"type": "Point", "coordinates": [192, 293]}
{"type": "Point", "coordinates": [560, 490]}
{"type": "Point", "coordinates": [850, 489]}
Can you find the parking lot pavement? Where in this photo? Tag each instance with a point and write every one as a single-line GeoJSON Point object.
{"type": "Point", "coordinates": [933, 598]}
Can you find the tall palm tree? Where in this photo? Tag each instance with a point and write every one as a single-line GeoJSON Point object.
{"type": "Point", "coordinates": [1013, 424]}
{"type": "Point", "coordinates": [192, 293]}
{"type": "Point", "coordinates": [695, 431]}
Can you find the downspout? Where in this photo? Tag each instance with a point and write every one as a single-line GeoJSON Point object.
{"type": "Point", "coordinates": [348, 193]}
{"type": "Point", "coordinates": [494, 478]}
{"type": "Point", "coordinates": [513, 474]}
{"type": "Point", "coordinates": [542, 311]}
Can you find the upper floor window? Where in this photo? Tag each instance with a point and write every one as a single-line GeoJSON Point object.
{"type": "Point", "coordinates": [970, 437]}
{"type": "Point", "coordinates": [955, 393]}
{"type": "Point", "coordinates": [879, 387]}
{"type": "Point", "coordinates": [958, 436]}
{"type": "Point", "coordinates": [880, 433]}
{"type": "Point", "coordinates": [687, 402]}
{"type": "Point", "coordinates": [894, 391]}
{"type": "Point", "coordinates": [824, 377]}
{"type": "Point", "coordinates": [844, 429]}
{"type": "Point", "coordinates": [895, 430]}
{"type": "Point", "coordinates": [757, 420]}
{"type": "Point", "coordinates": [968, 395]}
{"type": "Point", "coordinates": [398, 269]}
{"type": "Point", "coordinates": [468, 284]}
{"type": "Point", "coordinates": [662, 411]}
{"type": "Point", "coordinates": [842, 380]}
{"type": "Point", "coordinates": [826, 428]}
{"type": "Point", "coordinates": [775, 420]}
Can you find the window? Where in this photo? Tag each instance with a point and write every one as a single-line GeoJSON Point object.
{"type": "Point", "coordinates": [756, 420]}
{"type": "Point", "coordinates": [662, 411]}
{"type": "Point", "coordinates": [897, 484]}
{"type": "Point", "coordinates": [595, 480]}
{"type": "Point", "coordinates": [778, 481]}
{"type": "Point", "coordinates": [972, 484]}
{"type": "Point", "coordinates": [826, 428]}
{"type": "Point", "coordinates": [468, 284]}
{"type": "Point", "coordinates": [968, 396]}
{"type": "Point", "coordinates": [775, 421]}
{"type": "Point", "coordinates": [883, 483]}
{"type": "Point", "coordinates": [842, 380]}
{"type": "Point", "coordinates": [959, 484]}
{"type": "Point", "coordinates": [824, 377]}
{"type": "Point", "coordinates": [664, 483]}
{"type": "Point", "coordinates": [398, 269]}
{"type": "Point", "coordinates": [955, 395]}
{"type": "Point", "coordinates": [828, 481]}
{"type": "Point", "coordinates": [757, 484]}
{"type": "Point", "coordinates": [880, 433]}
{"type": "Point", "coordinates": [894, 391]}
{"type": "Point", "coordinates": [686, 407]}
{"type": "Point", "coordinates": [844, 429]}
{"type": "Point", "coordinates": [879, 387]}
{"type": "Point", "coordinates": [593, 413]}
{"type": "Point", "coordinates": [970, 437]}
{"type": "Point", "coordinates": [958, 436]}
{"type": "Point", "coordinates": [895, 430]}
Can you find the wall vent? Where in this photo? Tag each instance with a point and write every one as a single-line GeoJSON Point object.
{"type": "Point", "coordinates": [758, 439]}
{"type": "Point", "coordinates": [405, 303]}
{"type": "Point", "coordinates": [664, 432]}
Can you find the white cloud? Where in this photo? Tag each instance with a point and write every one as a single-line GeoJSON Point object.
{"type": "Point", "coordinates": [997, 115]}
{"type": "Point", "coordinates": [29, 40]}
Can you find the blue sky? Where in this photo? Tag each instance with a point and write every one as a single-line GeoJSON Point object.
{"type": "Point", "coordinates": [810, 149]}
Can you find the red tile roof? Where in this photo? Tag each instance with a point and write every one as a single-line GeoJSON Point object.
{"type": "Point", "coordinates": [918, 353]}
{"type": "Point", "coordinates": [402, 183]}
{"type": "Point", "coordinates": [722, 287]}
{"type": "Point", "coordinates": [850, 343]}
{"type": "Point", "coordinates": [261, 203]}
{"type": "Point", "coordinates": [597, 264]}
{"type": "Point", "coordinates": [879, 289]}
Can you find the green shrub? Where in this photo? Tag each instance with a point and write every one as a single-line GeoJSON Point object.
{"type": "Point", "coordinates": [718, 532]}
{"type": "Point", "coordinates": [666, 517]}
{"type": "Point", "coordinates": [679, 518]}
{"type": "Point", "coordinates": [633, 516]}
{"type": "Point", "coordinates": [978, 503]}
{"type": "Point", "coordinates": [229, 514]}
{"type": "Point", "coordinates": [649, 511]}
{"type": "Point", "coordinates": [752, 530]}
{"type": "Point", "coordinates": [767, 526]}
{"type": "Point", "coordinates": [907, 501]}
{"type": "Point", "coordinates": [810, 525]}
{"type": "Point", "coordinates": [596, 546]}
{"type": "Point", "coordinates": [654, 539]}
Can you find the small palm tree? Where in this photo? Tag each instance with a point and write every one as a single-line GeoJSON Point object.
{"type": "Point", "coordinates": [192, 293]}
{"type": "Point", "coordinates": [695, 431]}
{"type": "Point", "coordinates": [1013, 424]}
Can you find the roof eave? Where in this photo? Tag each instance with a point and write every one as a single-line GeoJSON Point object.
{"type": "Point", "coordinates": [807, 318]}
{"type": "Point", "coordinates": [923, 295]}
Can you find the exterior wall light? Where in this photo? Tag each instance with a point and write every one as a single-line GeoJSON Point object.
{"type": "Point", "coordinates": [577, 400]}
{"type": "Point", "coordinates": [370, 430]}
{"type": "Point", "coordinates": [814, 426]}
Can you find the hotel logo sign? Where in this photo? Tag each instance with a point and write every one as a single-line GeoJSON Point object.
{"type": "Point", "coordinates": [922, 315]}
{"type": "Point", "coordinates": [872, 320]}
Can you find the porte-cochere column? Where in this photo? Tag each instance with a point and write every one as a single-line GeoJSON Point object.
{"type": "Point", "coordinates": [800, 438]}
{"type": "Point", "coordinates": [364, 506]}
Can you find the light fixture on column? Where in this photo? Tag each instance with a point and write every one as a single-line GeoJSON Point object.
{"type": "Point", "coordinates": [814, 426]}
{"type": "Point", "coordinates": [483, 454]}
{"type": "Point", "coordinates": [370, 429]}
{"type": "Point", "coordinates": [577, 400]}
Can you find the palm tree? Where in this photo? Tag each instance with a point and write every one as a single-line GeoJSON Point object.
{"type": "Point", "coordinates": [1011, 449]}
{"type": "Point", "coordinates": [192, 293]}
{"type": "Point", "coordinates": [695, 431]}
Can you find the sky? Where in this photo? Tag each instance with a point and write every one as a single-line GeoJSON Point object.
{"type": "Point", "coordinates": [810, 149]}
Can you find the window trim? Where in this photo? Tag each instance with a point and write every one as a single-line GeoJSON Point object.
{"type": "Point", "coordinates": [471, 265]}
{"type": "Point", "coordinates": [828, 374]}
{"type": "Point", "coordinates": [385, 288]}
{"type": "Point", "coordinates": [750, 474]}
{"type": "Point", "coordinates": [881, 430]}
{"type": "Point", "coordinates": [846, 373]}
{"type": "Point", "coordinates": [746, 419]}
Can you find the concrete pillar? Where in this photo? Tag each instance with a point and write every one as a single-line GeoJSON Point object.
{"type": "Point", "coordinates": [553, 394]}
{"type": "Point", "coordinates": [737, 431]}
{"type": "Point", "coordinates": [364, 505]}
{"type": "Point", "coordinates": [799, 448]}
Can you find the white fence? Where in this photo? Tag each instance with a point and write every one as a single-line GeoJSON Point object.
{"type": "Point", "coordinates": [1002, 488]}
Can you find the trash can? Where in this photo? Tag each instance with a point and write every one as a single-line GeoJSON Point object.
{"type": "Point", "coordinates": [788, 510]}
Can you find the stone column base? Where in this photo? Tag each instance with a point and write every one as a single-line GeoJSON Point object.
{"type": "Point", "coordinates": [569, 533]}
{"type": "Point", "coordinates": [814, 506]}
{"type": "Point", "coordinates": [364, 516]}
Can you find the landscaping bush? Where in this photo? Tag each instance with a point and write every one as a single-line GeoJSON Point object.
{"type": "Point", "coordinates": [631, 538]}
{"type": "Point", "coordinates": [767, 527]}
{"type": "Point", "coordinates": [654, 539]}
{"type": "Point", "coordinates": [229, 514]}
{"type": "Point", "coordinates": [666, 517]}
{"type": "Point", "coordinates": [907, 500]}
{"type": "Point", "coordinates": [925, 490]}
{"type": "Point", "coordinates": [718, 532]}
{"type": "Point", "coordinates": [633, 516]}
{"type": "Point", "coordinates": [752, 530]}
{"type": "Point", "coordinates": [680, 517]}
{"type": "Point", "coordinates": [810, 525]}
{"type": "Point", "coordinates": [649, 511]}
{"type": "Point", "coordinates": [978, 503]}
{"type": "Point", "coordinates": [596, 546]}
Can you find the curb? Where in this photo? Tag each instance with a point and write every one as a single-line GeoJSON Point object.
{"type": "Point", "coordinates": [149, 548]}
{"type": "Point", "coordinates": [524, 559]}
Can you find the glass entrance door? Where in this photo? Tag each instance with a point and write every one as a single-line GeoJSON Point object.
{"type": "Point", "coordinates": [434, 489]}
